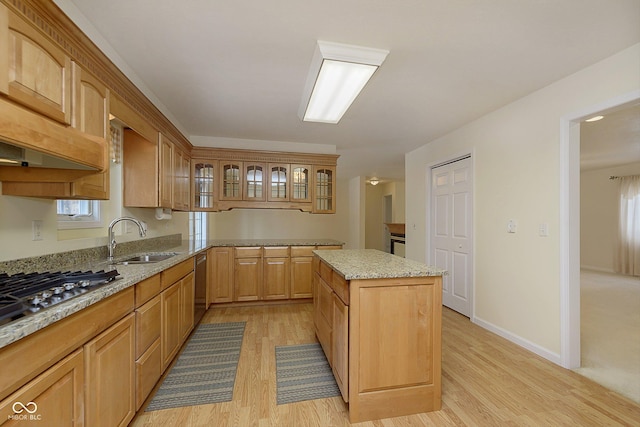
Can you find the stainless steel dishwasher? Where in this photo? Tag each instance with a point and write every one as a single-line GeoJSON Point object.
{"type": "Point", "coordinates": [201, 286]}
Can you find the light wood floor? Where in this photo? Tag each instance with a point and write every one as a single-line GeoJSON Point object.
{"type": "Point", "coordinates": [486, 381]}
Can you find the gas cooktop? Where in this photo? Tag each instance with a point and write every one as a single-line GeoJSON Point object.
{"type": "Point", "coordinates": [27, 293]}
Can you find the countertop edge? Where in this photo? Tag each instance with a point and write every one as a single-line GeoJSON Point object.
{"type": "Point", "coordinates": [130, 275]}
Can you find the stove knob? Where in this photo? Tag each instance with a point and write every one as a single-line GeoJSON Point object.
{"type": "Point", "coordinates": [35, 300]}
{"type": "Point", "coordinates": [57, 290]}
{"type": "Point", "coordinates": [69, 285]}
{"type": "Point", "coordinates": [84, 283]}
{"type": "Point", "coordinates": [45, 294]}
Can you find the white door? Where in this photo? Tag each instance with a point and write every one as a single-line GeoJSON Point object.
{"type": "Point", "coordinates": [451, 231]}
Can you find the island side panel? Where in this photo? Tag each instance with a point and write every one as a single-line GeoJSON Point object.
{"type": "Point", "coordinates": [394, 347]}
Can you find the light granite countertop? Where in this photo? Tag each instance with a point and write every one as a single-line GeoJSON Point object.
{"type": "Point", "coordinates": [375, 264]}
{"type": "Point", "coordinates": [129, 275]}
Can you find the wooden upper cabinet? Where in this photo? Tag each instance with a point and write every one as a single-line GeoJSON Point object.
{"type": "Point", "coordinates": [231, 182]}
{"type": "Point", "coordinates": [90, 106]}
{"type": "Point", "coordinates": [324, 192]}
{"type": "Point", "coordinates": [203, 184]}
{"type": "Point", "coordinates": [254, 181]}
{"type": "Point", "coordinates": [300, 183]}
{"type": "Point", "coordinates": [140, 161]}
{"type": "Point", "coordinates": [278, 182]}
{"type": "Point", "coordinates": [181, 184]}
{"type": "Point", "coordinates": [38, 72]}
{"type": "Point", "coordinates": [165, 196]}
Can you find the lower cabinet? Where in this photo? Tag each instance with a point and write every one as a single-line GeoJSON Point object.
{"type": "Point", "coordinates": [276, 271]}
{"type": "Point", "coordinates": [55, 397]}
{"type": "Point", "coordinates": [256, 273]}
{"type": "Point", "coordinates": [148, 354]}
{"type": "Point", "coordinates": [110, 375]}
{"type": "Point", "coordinates": [247, 274]}
{"type": "Point", "coordinates": [177, 303]}
{"type": "Point", "coordinates": [340, 346]}
{"type": "Point", "coordinates": [220, 274]}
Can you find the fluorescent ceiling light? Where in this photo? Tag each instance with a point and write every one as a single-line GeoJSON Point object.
{"type": "Point", "coordinates": [337, 75]}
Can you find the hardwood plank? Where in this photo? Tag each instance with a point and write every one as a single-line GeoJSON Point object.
{"type": "Point", "coordinates": [486, 380]}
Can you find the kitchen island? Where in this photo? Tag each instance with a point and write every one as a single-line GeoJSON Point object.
{"type": "Point", "coordinates": [378, 319]}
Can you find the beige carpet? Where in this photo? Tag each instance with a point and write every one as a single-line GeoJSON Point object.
{"type": "Point", "coordinates": [610, 331]}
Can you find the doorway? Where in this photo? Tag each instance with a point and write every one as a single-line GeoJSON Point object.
{"type": "Point", "coordinates": [570, 225]}
{"type": "Point", "coordinates": [451, 231]}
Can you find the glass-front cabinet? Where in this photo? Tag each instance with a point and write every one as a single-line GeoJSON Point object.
{"type": "Point", "coordinates": [224, 179]}
{"type": "Point", "coordinates": [231, 180]}
{"type": "Point", "coordinates": [300, 179]}
{"type": "Point", "coordinates": [204, 184]}
{"type": "Point", "coordinates": [324, 196]}
{"type": "Point", "coordinates": [254, 180]}
{"type": "Point", "coordinates": [278, 182]}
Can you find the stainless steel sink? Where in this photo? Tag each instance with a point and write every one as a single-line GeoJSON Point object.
{"type": "Point", "coordinates": [146, 258]}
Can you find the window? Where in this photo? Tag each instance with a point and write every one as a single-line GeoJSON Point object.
{"type": "Point", "coordinates": [78, 214]}
{"type": "Point", "coordinates": [197, 225]}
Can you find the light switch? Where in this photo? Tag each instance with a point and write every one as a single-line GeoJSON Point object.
{"type": "Point", "coordinates": [543, 229]}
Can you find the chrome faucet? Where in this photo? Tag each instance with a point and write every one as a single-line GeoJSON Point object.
{"type": "Point", "coordinates": [112, 238]}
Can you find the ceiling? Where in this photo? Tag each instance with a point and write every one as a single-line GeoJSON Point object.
{"type": "Point", "coordinates": [237, 69]}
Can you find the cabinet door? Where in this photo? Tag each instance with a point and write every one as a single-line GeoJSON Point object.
{"type": "Point", "coordinates": [166, 173]}
{"type": "Point", "coordinates": [187, 301]}
{"type": "Point", "coordinates": [340, 346]}
{"type": "Point", "coordinates": [325, 318]}
{"type": "Point", "coordinates": [140, 162]}
{"type": "Point", "coordinates": [276, 278]}
{"type": "Point", "coordinates": [57, 396]}
{"type": "Point", "coordinates": [254, 182]}
{"type": "Point", "coordinates": [301, 277]}
{"type": "Point", "coordinates": [324, 192]}
{"type": "Point", "coordinates": [248, 279]}
{"type": "Point", "coordinates": [171, 324]}
{"type": "Point", "coordinates": [38, 75]}
{"type": "Point", "coordinates": [180, 181]}
{"type": "Point", "coordinates": [110, 375]}
{"type": "Point", "coordinates": [278, 186]}
{"type": "Point", "coordinates": [300, 181]}
{"type": "Point", "coordinates": [221, 268]}
{"type": "Point", "coordinates": [148, 318]}
{"type": "Point", "coordinates": [230, 180]}
{"type": "Point", "coordinates": [203, 187]}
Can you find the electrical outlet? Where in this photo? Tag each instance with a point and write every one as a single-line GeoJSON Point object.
{"type": "Point", "coordinates": [512, 226]}
{"type": "Point", "coordinates": [36, 230]}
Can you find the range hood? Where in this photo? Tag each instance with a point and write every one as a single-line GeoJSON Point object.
{"type": "Point", "coordinates": [12, 155]}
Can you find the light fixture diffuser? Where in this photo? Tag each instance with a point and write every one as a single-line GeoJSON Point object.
{"type": "Point", "coordinates": [337, 75]}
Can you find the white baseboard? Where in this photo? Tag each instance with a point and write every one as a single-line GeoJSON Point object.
{"type": "Point", "coordinates": [594, 268]}
{"type": "Point", "coordinates": [534, 348]}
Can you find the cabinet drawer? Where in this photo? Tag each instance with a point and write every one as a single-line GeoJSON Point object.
{"type": "Point", "coordinates": [302, 251]}
{"type": "Point", "coordinates": [325, 272]}
{"type": "Point", "coordinates": [148, 371]}
{"type": "Point", "coordinates": [175, 273]}
{"type": "Point", "coordinates": [276, 251]}
{"type": "Point", "coordinates": [249, 252]}
{"type": "Point", "coordinates": [341, 287]}
{"type": "Point", "coordinates": [148, 318]}
{"type": "Point", "coordinates": [147, 289]}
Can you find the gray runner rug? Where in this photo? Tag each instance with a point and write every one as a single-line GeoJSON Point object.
{"type": "Point", "coordinates": [303, 373]}
{"type": "Point", "coordinates": [205, 371]}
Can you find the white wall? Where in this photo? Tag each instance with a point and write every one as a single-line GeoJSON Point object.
{"type": "Point", "coordinates": [599, 207]}
{"type": "Point", "coordinates": [516, 155]}
{"type": "Point", "coordinates": [279, 224]}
